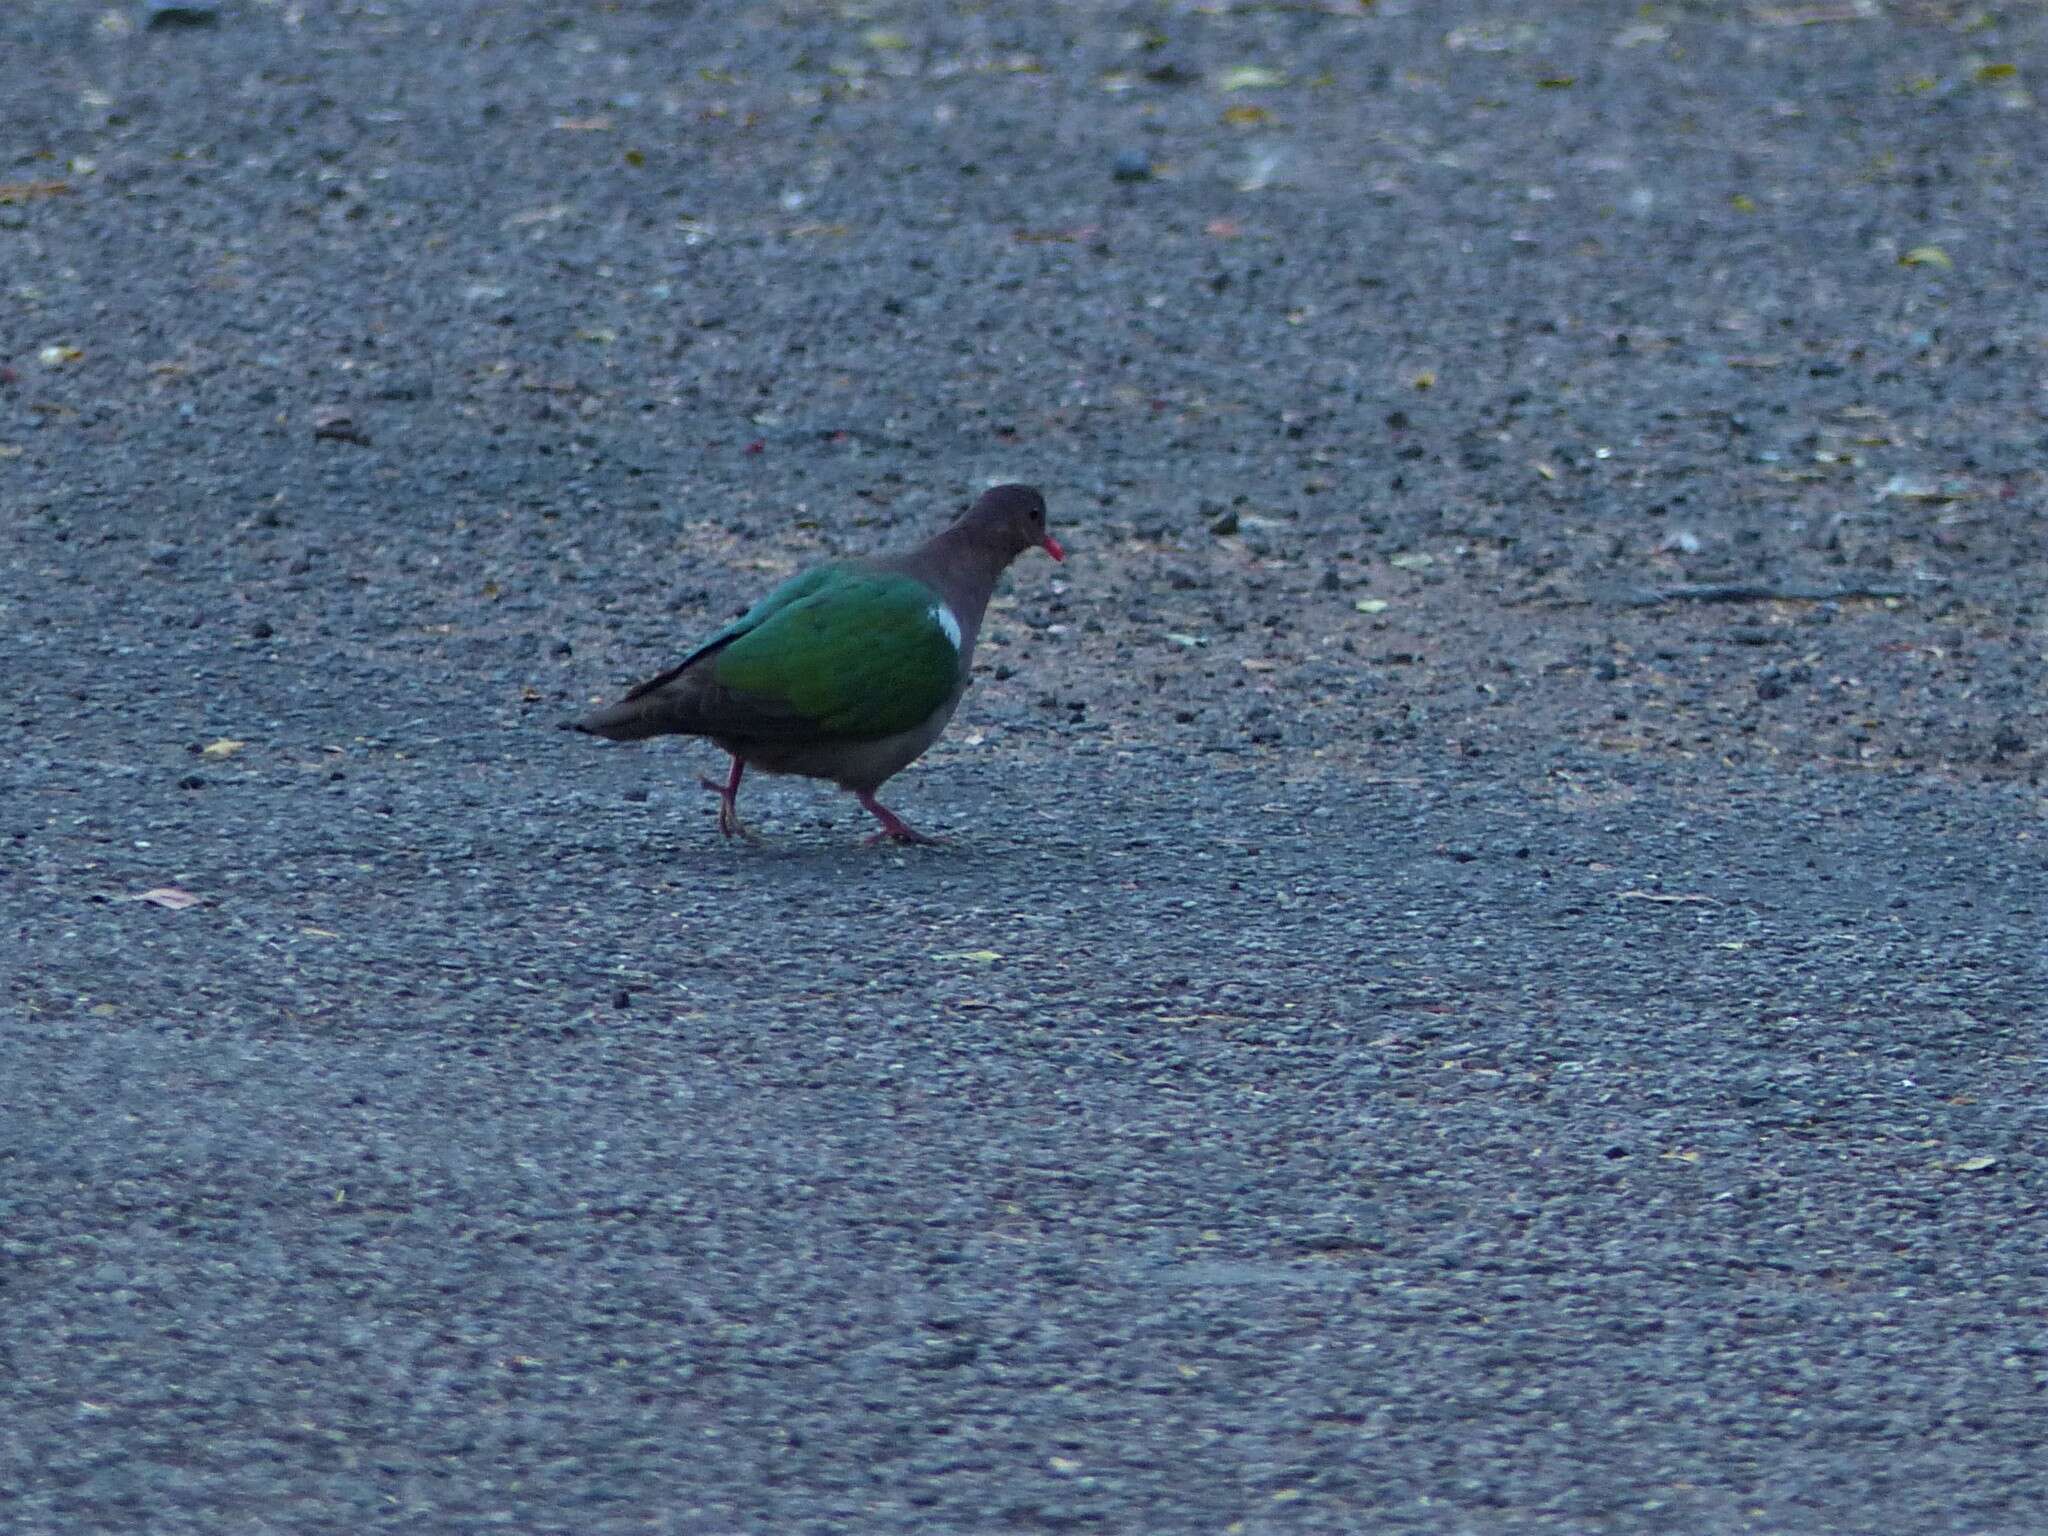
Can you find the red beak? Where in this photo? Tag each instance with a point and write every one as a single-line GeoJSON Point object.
{"type": "Point", "coordinates": [1052, 547]}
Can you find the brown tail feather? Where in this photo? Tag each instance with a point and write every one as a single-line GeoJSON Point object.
{"type": "Point", "coordinates": [634, 719]}
{"type": "Point", "coordinates": [661, 706]}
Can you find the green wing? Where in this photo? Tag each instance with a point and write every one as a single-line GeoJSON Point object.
{"type": "Point", "coordinates": [852, 651]}
{"type": "Point", "coordinates": [790, 591]}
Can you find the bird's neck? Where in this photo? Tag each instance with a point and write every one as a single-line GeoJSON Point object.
{"type": "Point", "coordinates": [963, 567]}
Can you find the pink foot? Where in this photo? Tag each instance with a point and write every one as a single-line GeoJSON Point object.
{"type": "Point", "coordinates": [728, 794]}
{"type": "Point", "coordinates": [894, 828]}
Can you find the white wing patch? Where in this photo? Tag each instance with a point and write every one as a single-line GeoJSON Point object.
{"type": "Point", "coordinates": [949, 621]}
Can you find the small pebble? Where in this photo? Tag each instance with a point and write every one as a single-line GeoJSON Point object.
{"type": "Point", "coordinates": [1132, 165]}
{"type": "Point", "coordinates": [164, 14]}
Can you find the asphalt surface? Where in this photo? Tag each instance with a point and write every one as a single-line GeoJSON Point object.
{"type": "Point", "coordinates": [1489, 973]}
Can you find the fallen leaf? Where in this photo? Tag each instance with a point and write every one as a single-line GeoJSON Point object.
{"type": "Point", "coordinates": [29, 191]}
{"type": "Point", "coordinates": [1976, 1164]}
{"type": "Point", "coordinates": [1815, 15]}
{"type": "Point", "coordinates": [1246, 116]}
{"type": "Point", "coordinates": [2001, 71]}
{"type": "Point", "coordinates": [169, 896]}
{"type": "Point", "coordinates": [1491, 36]}
{"type": "Point", "coordinates": [1249, 77]}
{"type": "Point", "coordinates": [1557, 82]}
{"type": "Point", "coordinates": [882, 40]}
{"type": "Point", "coordinates": [226, 746]}
{"type": "Point", "coordinates": [1742, 202]}
{"type": "Point", "coordinates": [1425, 379]}
{"type": "Point", "coordinates": [58, 356]}
{"type": "Point", "coordinates": [550, 214]}
{"type": "Point", "coordinates": [1927, 256]}
{"type": "Point", "coordinates": [1372, 605]}
{"type": "Point", "coordinates": [1414, 561]}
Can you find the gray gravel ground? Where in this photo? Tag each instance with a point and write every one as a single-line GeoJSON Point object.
{"type": "Point", "coordinates": [1490, 971]}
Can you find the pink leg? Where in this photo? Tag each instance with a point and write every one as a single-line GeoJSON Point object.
{"type": "Point", "coordinates": [894, 828]}
{"type": "Point", "coordinates": [729, 801]}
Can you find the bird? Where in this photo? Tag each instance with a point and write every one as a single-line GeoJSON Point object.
{"type": "Point", "coordinates": [847, 671]}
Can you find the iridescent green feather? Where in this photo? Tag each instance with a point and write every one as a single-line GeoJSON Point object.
{"type": "Point", "coordinates": [858, 652]}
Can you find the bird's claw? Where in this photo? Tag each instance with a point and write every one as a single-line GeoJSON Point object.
{"type": "Point", "coordinates": [894, 828]}
{"type": "Point", "coordinates": [729, 823]}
